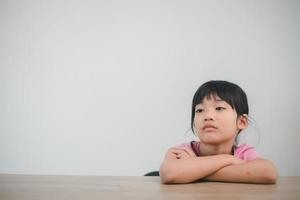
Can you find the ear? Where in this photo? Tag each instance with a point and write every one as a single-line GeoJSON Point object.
{"type": "Point", "coordinates": [242, 122]}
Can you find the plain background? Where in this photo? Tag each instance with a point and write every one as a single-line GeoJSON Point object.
{"type": "Point", "coordinates": [105, 87]}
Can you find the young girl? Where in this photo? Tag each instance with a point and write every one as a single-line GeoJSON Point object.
{"type": "Point", "coordinates": [219, 114]}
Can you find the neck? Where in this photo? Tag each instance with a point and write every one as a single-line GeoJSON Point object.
{"type": "Point", "coordinates": [215, 149]}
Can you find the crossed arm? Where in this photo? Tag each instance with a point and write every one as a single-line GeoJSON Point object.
{"type": "Point", "coordinates": [183, 166]}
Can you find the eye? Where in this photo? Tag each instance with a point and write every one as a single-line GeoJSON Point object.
{"type": "Point", "coordinates": [220, 108]}
{"type": "Point", "coordinates": [199, 110]}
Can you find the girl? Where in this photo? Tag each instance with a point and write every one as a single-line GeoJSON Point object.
{"type": "Point", "coordinates": [219, 114]}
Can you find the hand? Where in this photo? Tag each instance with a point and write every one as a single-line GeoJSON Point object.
{"type": "Point", "coordinates": [237, 161]}
{"type": "Point", "coordinates": [180, 153]}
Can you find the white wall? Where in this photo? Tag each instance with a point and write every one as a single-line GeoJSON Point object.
{"type": "Point", "coordinates": [105, 87]}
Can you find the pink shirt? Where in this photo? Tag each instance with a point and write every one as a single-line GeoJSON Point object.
{"type": "Point", "coordinates": [244, 151]}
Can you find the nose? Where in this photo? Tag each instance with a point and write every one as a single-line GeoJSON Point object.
{"type": "Point", "coordinates": [208, 116]}
{"type": "Point", "coordinates": [208, 119]}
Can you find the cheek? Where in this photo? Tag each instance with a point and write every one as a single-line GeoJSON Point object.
{"type": "Point", "coordinates": [197, 122]}
{"type": "Point", "coordinates": [230, 123]}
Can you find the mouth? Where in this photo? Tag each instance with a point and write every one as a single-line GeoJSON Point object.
{"type": "Point", "coordinates": [209, 127]}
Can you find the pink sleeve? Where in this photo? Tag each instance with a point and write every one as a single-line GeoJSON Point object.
{"type": "Point", "coordinates": [183, 145]}
{"type": "Point", "coordinates": [246, 152]}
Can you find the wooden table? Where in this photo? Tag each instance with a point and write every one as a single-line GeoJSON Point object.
{"type": "Point", "coordinates": [107, 187]}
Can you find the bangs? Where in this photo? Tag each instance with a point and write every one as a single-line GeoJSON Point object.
{"type": "Point", "coordinates": [213, 92]}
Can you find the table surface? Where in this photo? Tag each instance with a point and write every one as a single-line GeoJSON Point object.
{"type": "Point", "coordinates": [134, 187]}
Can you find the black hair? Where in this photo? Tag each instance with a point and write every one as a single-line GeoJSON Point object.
{"type": "Point", "coordinates": [228, 92]}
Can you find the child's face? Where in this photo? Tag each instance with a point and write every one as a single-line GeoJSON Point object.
{"type": "Point", "coordinates": [216, 122]}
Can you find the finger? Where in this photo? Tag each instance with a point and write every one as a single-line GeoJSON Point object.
{"type": "Point", "coordinates": [171, 155]}
{"type": "Point", "coordinates": [189, 151]}
{"type": "Point", "coordinates": [174, 153]}
{"type": "Point", "coordinates": [177, 150]}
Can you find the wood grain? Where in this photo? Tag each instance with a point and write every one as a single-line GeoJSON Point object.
{"type": "Point", "coordinates": [45, 187]}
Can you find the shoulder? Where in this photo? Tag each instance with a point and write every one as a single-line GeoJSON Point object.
{"type": "Point", "coordinates": [188, 144]}
{"type": "Point", "coordinates": [182, 145]}
{"type": "Point", "coordinates": [193, 145]}
{"type": "Point", "coordinates": [246, 152]}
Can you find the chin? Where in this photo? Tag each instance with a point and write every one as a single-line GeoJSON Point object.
{"type": "Point", "coordinates": [211, 141]}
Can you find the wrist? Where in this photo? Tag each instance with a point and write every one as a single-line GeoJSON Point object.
{"type": "Point", "coordinates": [229, 159]}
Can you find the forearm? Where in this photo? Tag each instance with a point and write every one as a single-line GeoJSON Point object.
{"type": "Point", "coordinates": [256, 171]}
{"type": "Point", "coordinates": [189, 170]}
